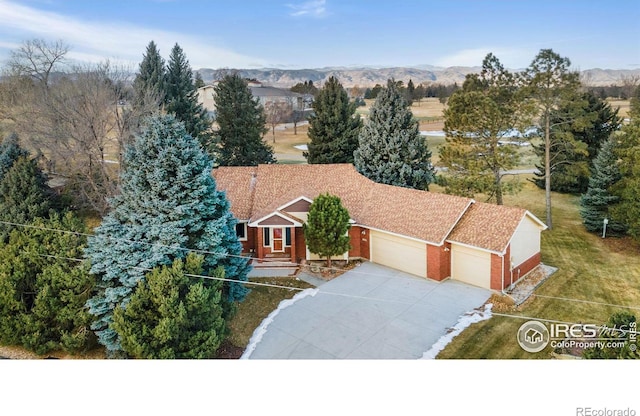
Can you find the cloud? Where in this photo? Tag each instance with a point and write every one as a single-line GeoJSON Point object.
{"type": "Point", "coordinates": [98, 40]}
{"type": "Point", "coordinates": [509, 57]}
{"type": "Point", "coordinates": [313, 8]}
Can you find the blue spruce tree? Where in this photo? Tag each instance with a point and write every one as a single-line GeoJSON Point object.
{"type": "Point", "coordinates": [168, 205]}
{"type": "Point", "coordinates": [390, 148]}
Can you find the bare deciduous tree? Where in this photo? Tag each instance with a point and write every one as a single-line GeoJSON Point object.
{"type": "Point", "coordinates": [277, 112]}
{"type": "Point", "coordinates": [79, 127]}
{"type": "Point", "coordinates": [37, 59]}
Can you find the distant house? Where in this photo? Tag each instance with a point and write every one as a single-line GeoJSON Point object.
{"type": "Point", "coordinates": [264, 94]}
{"type": "Point", "coordinates": [428, 234]}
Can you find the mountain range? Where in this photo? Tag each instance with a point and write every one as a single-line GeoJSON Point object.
{"type": "Point", "coordinates": [370, 76]}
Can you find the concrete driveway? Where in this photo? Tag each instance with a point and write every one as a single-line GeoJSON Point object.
{"type": "Point", "coordinates": [370, 312]}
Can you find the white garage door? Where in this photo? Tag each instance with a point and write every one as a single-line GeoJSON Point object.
{"type": "Point", "coordinates": [471, 266]}
{"type": "Point", "coordinates": [399, 253]}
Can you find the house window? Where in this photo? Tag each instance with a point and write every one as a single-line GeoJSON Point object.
{"type": "Point", "coordinates": [266, 237]}
{"type": "Point", "coordinates": [287, 237]}
{"type": "Point", "coordinates": [241, 231]}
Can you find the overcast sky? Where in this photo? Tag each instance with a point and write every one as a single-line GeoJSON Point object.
{"type": "Point", "coordinates": [296, 34]}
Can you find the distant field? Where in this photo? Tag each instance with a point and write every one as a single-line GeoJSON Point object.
{"type": "Point", "coordinates": [623, 105]}
{"type": "Point", "coordinates": [428, 112]}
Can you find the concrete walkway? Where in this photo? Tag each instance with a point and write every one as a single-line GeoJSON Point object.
{"type": "Point", "coordinates": [370, 312]}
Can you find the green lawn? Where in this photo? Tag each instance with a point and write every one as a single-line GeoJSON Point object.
{"type": "Point", "coordinates": [589, 268]}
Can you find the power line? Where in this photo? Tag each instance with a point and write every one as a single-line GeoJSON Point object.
{"type": "Point", "coordinates": [172, 247]}
{"type": "Point", "coordinates": [504, 315]}
{"type": "Point", "coordinates": [586, 301]}
{"type": "Point", "coordinates": [254, 258]}
{"type": "Point", "coordinates": [224, 279]}
{"type": "Point", "coordinates": [188, 274]}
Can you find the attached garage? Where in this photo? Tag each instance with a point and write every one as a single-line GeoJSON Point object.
{"type": "Point", "coordinates": [470, 265]}
{"type": "Point", "coordinates": [399, 253]}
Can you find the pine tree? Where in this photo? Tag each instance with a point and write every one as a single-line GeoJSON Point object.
{"type": "Point", "coordinates": [182, 96]}
{"type": "Point", "coordinates": [551, 85]}
{"type": "Point", "coordinates": [390, 147]}
{"type": "Point", "coordinates": [168, 205]}
{"type": "Point", "coordinates": [477, 119]}
{"type": "Point", "coordinates": [327, 227]}
{"type": "Point", "coordinates": [410, 92]}
{"type": "Point", "coordinates": [333, 126]}
{"type": "Point", "coordinates": [597, 203]}
{"type": "Point", "coordinates": [577, 134]}
{"type": "Point", "coordinates": [149, 84]}
{"type": "Point", "coordinates": [241, 125]}
{"type": "Point", "coordinates": [198, 82]}
{"type": "Point", "coordinates": [24, 195]}
{"type": "Point", "coordinates": [173, 315]}
{"type": "Point", "coordinates": [627, 150]}
{"type": "Point", "coordinates": [43, 290]}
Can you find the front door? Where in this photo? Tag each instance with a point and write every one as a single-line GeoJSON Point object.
{"type": "Point", "coordinates": [277, 239]}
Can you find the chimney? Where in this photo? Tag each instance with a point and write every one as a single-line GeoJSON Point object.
{"type": "Point", "coordinates": [252, 183]}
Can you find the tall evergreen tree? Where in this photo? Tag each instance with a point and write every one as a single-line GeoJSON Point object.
{"type": "Point", "coordinates": [149, 84]}
{"type": "Point", "coordinates": [627, 149]}
{"type": "Point", "coordinates": [577, 134]}
{"type": "Point", "coordinates": [172, 314]}
{"type": "Point", "coordinates": [597, 203]}
{"type": "Point", "coordinates": [241, 125]}
{"type": "Point", "coordinates": [478, 117]}
{"type": "Point", "coordinates": [333, 126]}
{"type": "Point", "coordinates": [390, 147]}
{"type": "Point", "coordinates": [634, 110]}
{"type": "Point", "coordinates": [24, 195]}
{"type": "Point", "coordinates": [168, 205]}
{"type": "Point", "coordinates": [327, 226]}
{"type": "Point", "coordinates": [198, 82]}
{"type": "Point", "coordinates": [181, 96]}
{"type": "Point", "coordinates": [551, 85]}
{"type": "Point", "coordinates": [410, 92]}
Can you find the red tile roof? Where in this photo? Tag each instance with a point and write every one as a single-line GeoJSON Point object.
{"type": "Point", "coordinates": [418, 214]}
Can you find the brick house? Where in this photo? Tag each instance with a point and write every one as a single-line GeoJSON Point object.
{"type": "Point", "coordinates": [430, 235]}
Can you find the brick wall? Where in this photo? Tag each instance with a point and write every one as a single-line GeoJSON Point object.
{"type": "Point", "coordinates": [438, 261]}
{"type": "Point", "coordinates": [496, 271]}
{"type": "Point", "coordinates": [354, 239]}
{"type": "Point", "coordinates": [526, 266]}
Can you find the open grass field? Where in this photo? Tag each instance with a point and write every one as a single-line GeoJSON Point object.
{"type": "Point", "coordinates": [623, 105]}
{"type": "Point", "coordinates": [428, 113]}
{"type": "Point", "coordinates": [590, 269]}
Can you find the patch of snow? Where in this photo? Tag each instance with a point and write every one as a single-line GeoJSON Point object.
{"type": "Point", "coordinates": [463, 322]}
{"type": "Point", "coordinates": [301, 147]}
{"type": "Point", "coordinates": [435, 133]}
{"type": "Point", "coordinates": [515, 143]}
{"type": "Point", "coordinates": [262, 328]}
